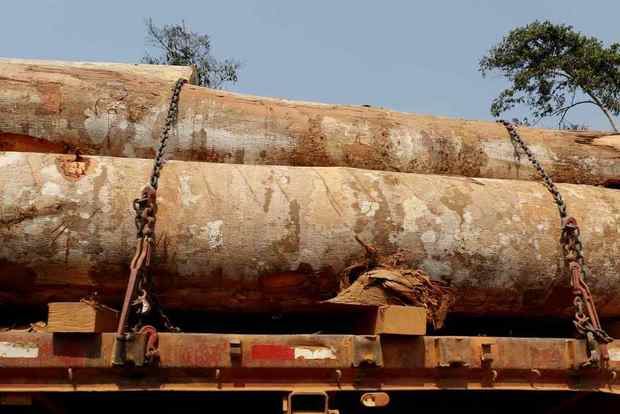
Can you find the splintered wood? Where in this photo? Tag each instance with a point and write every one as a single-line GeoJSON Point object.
{"type": "Point", "coordinates": [388, 281]}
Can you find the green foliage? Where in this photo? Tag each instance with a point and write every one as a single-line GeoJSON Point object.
{"type": "Point", "coordinates": [178, 45]}
{"type": "Point", "coordinates": [549, 66]}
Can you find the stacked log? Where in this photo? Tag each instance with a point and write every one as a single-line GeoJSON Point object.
{"type": "Point", "coordinates": [118, 110]}
{"type": "Point", "coordinates": [277, 237]}
{"type": "Point", "coordinates": [448, 196]}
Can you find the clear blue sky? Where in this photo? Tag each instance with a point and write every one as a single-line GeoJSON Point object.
{"type": "Point", "coordinates": [414, 56]}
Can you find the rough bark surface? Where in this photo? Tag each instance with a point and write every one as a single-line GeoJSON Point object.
{"type": "Point", "coordinates": [53, 106]}
{"type": "Point", "coordinates": [118, 110]}
{"type": "Point", "coordinates": [262, 237]}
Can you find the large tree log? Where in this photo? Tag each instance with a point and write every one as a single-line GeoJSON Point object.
{"type": "Point", "coordinates": [262, 237]}
{"type": "Point", "coordinates": [118, 111]}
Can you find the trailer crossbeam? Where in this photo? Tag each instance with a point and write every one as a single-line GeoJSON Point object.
{"type": "Point", "coordinates": [45, 362]}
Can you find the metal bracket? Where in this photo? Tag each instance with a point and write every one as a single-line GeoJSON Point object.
{"type": "Point", "coordinates": [235, 351]}
{"type": "Point", "coordinates": [307, 403]}
{"type": "Point", "coordinates": [129, 349]}
{"type": "Point", "coordinates": [367, 351]}
{"type": "Point", "coordinates": [487, 354]}
{"type": "Point", "coordinates": [453, 352]}
{"type": "Point", "coordinates": [137, 349]}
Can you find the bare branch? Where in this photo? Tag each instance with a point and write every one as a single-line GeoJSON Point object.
{"type": "Point", "coordinates": [154, 34]}
{"type": "Point", "coordinates": [178, 45]}
{"type": "Point", "coordinates": [598, 103]}
{"type": "Point", "coordinates": [566, 108]}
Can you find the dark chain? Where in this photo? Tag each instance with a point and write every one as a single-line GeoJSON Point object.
{"type": "Point", "coordinates": [171, 119]}
{"type": "Point", "coordinates": [146, 210]}
{"type": "Point", "coordinates": [153, 308]}
{"type": "Point", "coordinates": [517, 142]}
{"type": "Point", "coordinates": [586, 318]}
{"type": "Point", "coordinates": [145, 213]}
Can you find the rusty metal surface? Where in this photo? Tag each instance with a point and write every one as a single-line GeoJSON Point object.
{"type": "Point", "coordinates": [367, 351]}
{"type": "Point", "coordinates": [46, 362]}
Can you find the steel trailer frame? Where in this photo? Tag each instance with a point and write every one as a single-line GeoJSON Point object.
{"type": "Point", "coordinates": [46, 362]}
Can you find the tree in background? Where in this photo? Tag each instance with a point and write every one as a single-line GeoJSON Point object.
{"type": "Point", "coordinates": [552, 69]}
{"type": "Point", "coordinates": [178, 45]}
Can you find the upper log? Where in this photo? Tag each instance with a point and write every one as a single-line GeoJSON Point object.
{"type": "Point", "coordinates": [266, 237]}
{"type": "Point", "coordinates": [118, 110]}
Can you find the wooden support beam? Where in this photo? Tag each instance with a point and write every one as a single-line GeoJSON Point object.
{"type": "Point", "coordinates": [81, 316]}
{"type": "Point", "coordinates": [393, 320]}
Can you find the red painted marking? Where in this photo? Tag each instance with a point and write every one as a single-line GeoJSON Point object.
{"type": "Point", "coordinates": [273, 352]}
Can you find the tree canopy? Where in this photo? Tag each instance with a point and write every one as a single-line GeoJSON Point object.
{"type": "Point", "coordinates": [178, 45]}
{"type": "Point", "coordinates": [552, 69]}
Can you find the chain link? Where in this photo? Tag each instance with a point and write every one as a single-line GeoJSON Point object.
{"type": "Point", "coordinates": [517, 142]}
{"type": "Point", "coordinates": [585, 319]}
{"type": "Point", "coordinates": [171, 119]}
{"type": "Point", "coordinates": [145, 207]}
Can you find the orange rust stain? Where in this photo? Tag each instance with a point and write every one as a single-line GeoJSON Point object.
{"type": "Point", "coordinates": [26, 143]}
{"type": "Point", "coordinates": [73, 167]}
{"type": "Point", "coordinates": [283, 280]}
{"type": "Point", "coordinates": [363, 156]}
{"type": "Point", "coordinates": [51, 98]}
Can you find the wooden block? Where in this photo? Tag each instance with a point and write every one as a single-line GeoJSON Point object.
{"type": "Point", "coordinates": [80, 317]}
{"type": "Point", "coordinates": [394, 320]}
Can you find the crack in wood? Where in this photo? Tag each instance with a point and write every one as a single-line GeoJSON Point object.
{"type": "Point", "coordinates": [31, 213]}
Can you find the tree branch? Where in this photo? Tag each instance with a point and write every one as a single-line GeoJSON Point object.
{"type": "Point", "coordinates": [596, 101]}
{"type": "Point", "coordinates": [602, 107]}
{"type": "Point", "coordinates": [152, 31]}
{"type": "Point", "coordinates": [565, 110]}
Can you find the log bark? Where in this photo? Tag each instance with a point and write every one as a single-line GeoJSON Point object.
{"type": "Point", "coordinates": [273, 237]}
{"type": "Point", "coordinates": [118, 111]}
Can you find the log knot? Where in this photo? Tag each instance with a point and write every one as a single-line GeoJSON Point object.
{"type": "Point", "coordinates": [73, 167]}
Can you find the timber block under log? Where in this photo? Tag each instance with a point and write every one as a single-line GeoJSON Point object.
{"type": "Point", "coordinates": [81, 316]}
{"type": "Point", "coordinates": [393, 320]}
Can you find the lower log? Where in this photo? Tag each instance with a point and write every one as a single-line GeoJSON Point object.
{"type": "Point", "coordinates": [234, 237]}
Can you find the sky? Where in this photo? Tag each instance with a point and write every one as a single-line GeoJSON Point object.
{"type": "Point", "coordinates": [411, 56]}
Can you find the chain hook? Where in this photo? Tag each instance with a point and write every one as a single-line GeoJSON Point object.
{"type": "Point", "coordinates": [145, 208]}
